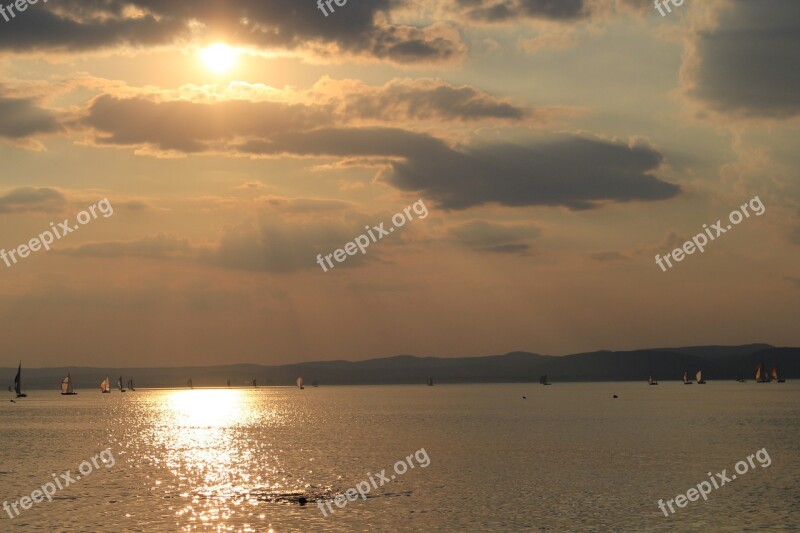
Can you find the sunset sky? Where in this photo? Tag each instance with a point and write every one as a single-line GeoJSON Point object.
{"type": "Point", "coordinates": [558, 146]}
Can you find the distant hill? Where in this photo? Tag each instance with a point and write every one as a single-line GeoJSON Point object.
{"type": "Point", "coordinates": [716, 362]}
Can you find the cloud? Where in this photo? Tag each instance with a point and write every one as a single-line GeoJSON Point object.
{"type": "Point", "coordinates": [418, 99]}
{"type": "Point", "coordinates": [513, 10]}
{"type": "Point", "coordinates": [495, 238]}
{"type": "Point", "coordinates": [275, 244]}
{"type": "Point", "coordinates": [161, 246]}
{"type": "Point", "coordinates": [747, 64]}
{"type": "Point", "coordinates": [134, 205]}
{"type": "Point", "coordinates": [190, 127]}
{"type": "Point", "coordinates": [608, 256]}
{"type": "Point", "coordinates": [21, 118]}
{"type": "Point", "coordinates": [304, 205]}
{"type": "Point", "coordinates": [202, 120]}
{"type": "Point", "coordinates": [356, 29]}
{"type": "Point", "coordinates": [32, 199]}
{"type": "Point", "coordinates": [575, 172]}
{"type": "Point", "coordinates": [282, 239]}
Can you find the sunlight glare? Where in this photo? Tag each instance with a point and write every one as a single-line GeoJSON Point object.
{"type": "Point", "coordinates": [219, 58]}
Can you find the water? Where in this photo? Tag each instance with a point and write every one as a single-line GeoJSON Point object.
{"type": "Point", "coordinates": [567, 458]}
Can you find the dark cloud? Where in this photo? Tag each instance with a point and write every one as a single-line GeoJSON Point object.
{"type": "Point", "coordinates": [22, 117]}
{"type": "Point", "coordinates": [495, 238]}
{"type": "Point", "coordinates": [748, 64]}
{"type": "Point", "coordinates": [358, 28]}
{"type": "Point", "coordinates": [575, 172]}
{"type": "Point", "coordinates": [511, 10]}
{"type": "Point", "coordinates": [426, 99]}
{"type": "Point", "coordinates": [32, 199]}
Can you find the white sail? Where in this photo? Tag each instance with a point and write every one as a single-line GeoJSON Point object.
{"type": "Point", "coordinates": [105, 385]}
{"type": "Point", "coordinates": [66, 385]}
{"type": "Point", "coordinates": [699, 375]}
{"type": "Point", "coordinates": [299, 383]}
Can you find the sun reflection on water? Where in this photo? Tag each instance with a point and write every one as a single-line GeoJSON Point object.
{"type": "Point", "coordinates": [208, 439]}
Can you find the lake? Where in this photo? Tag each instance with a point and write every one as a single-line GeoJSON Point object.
{"type": "Point", "coordinates": [570, 457]}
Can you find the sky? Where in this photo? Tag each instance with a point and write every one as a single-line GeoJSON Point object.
{"type": "Point", "coordinates": [557, 148]}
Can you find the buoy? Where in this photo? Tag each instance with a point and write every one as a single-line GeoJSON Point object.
{"type": "Point", "coordinates": [302, 501]}
{"type": "Point", "coordinates": [615, 396]}
{"type": "Point", "coordinates": [524, 398]}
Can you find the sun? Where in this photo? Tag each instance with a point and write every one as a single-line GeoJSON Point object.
{"type": "Point", "coordinates": [219, 58]}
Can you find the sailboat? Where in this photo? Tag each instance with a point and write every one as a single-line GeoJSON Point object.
{"type": "Point", "coordinates": [699, 378]}
{"type": "Point", "coordinates": [650, 379]}
{"type": "Point", "coordinates": [686, 380]}
{"type": "Point", "coordinates": [430, 382]}
{"type": "Point", "coordinates": [776, 375]}
{"type": "Point", "coordinates": [300, 383]}
{"type": "Point", "coordinates": [189, 383]}
{"type": "Point", "coordinates": [543, 380]}
{"type": "Point", "coordinates": [119, 384]}
{"type": "Point", "coordinates": [17, 383]}
{"type": "Point", "coordinates": [105, 387]}
{"type": "Point", "coordinates": [130, 385]}
{"type": "Point", "coordinates": [761, 375]}
{"type": "Point", "coordinates": [254, 383]}
{"type": "Point", "coordinates": [66, 387]}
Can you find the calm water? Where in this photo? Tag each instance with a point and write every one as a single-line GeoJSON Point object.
{"type": "Point", "coordinates": [568, 458]}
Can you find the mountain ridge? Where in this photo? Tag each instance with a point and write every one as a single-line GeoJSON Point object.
{"type": "Point", "coordinates": [716, 362]}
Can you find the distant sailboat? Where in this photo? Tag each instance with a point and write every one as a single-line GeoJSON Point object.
{"type": "Point", "coordinates": [300, 383]}
{"type": "Point", "coordinates": [119, 384]}
{"type": "Point", "coordinates": [105, 387]}
{"type": "Point", "coordinates": [761, 375]}
{"type": "Point", "coordinates": [699, 378]}
{"type": "Point", "coordinates": [430, 382]}
{"type": "Point", "coordinates": [686, 380]}
{"type": "Point", "coordinates": [66, 387]}
{"type": "Point", "coordinates": [189, 383]}
{"type": "Point", "coordinates": [650, 379]}
{"type": "Point", "coordinates": [18, 383]}
{"type": "Point", "coordinates": [543, 380]}
{"type": "Point", "coordinates": [776, 375]}
{"type": "Point", "coordinates": [254, 383]}
{"type": "Point", "coordinates": [130, 385]}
